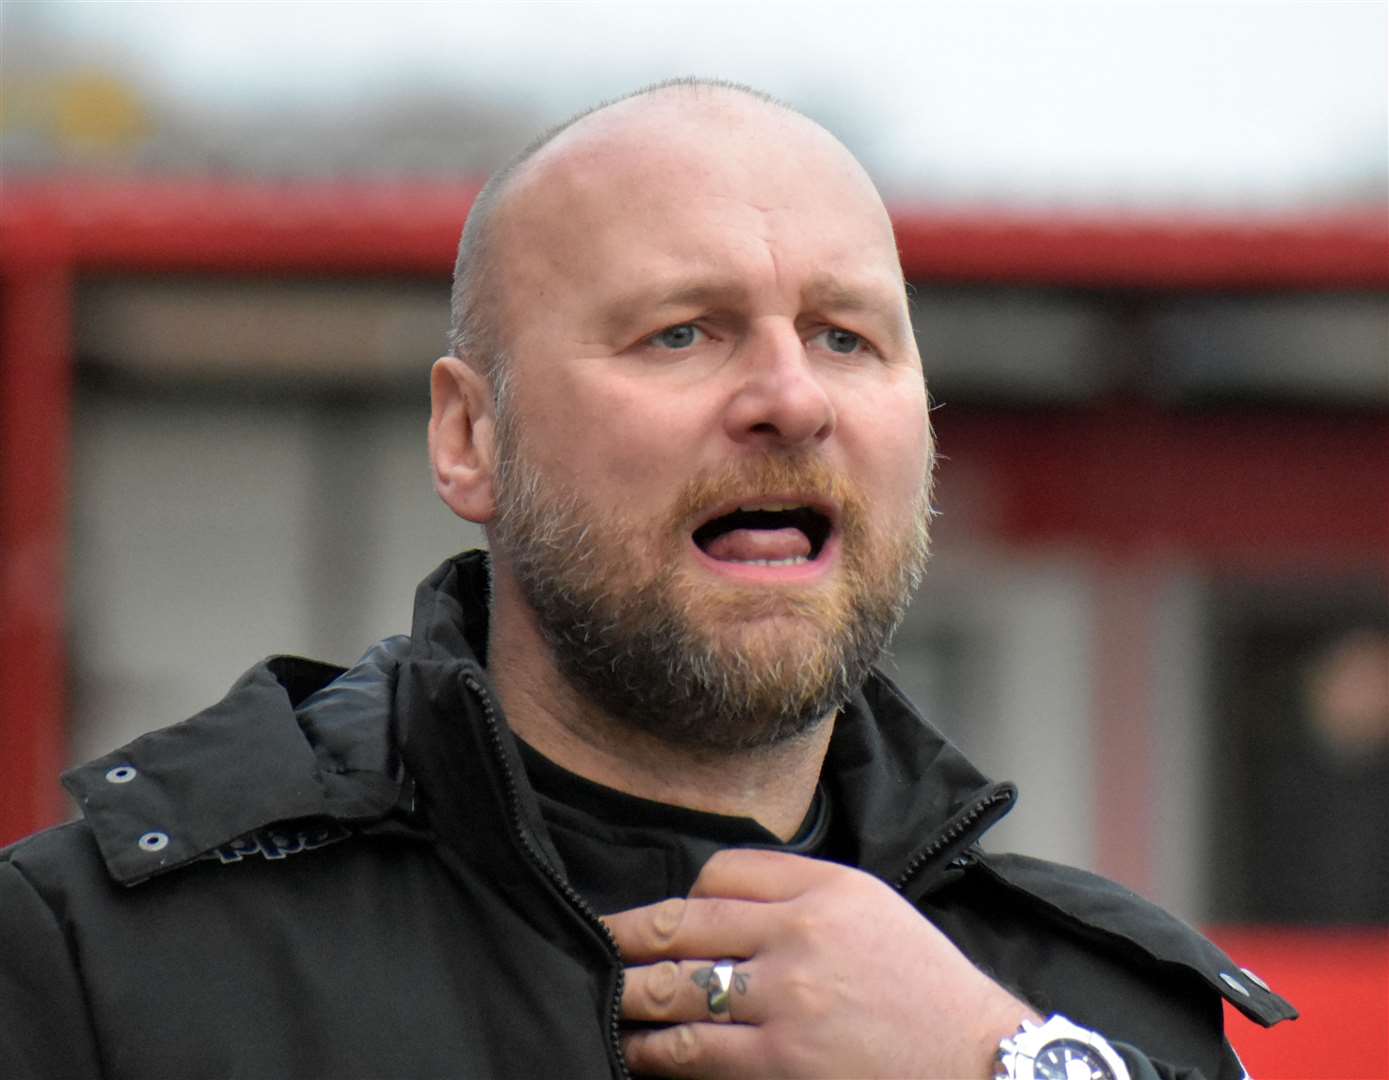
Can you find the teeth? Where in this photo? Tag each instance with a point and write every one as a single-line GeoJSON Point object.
{"type": "Point", "coordinates": [794, 561]}
{"type": "Point", "coordinates": [770, 506]}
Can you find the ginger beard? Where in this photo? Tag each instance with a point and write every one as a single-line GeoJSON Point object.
{"type": "Point", "coordinates": [709, 666]}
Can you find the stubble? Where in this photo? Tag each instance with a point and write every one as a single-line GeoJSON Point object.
{"type": "Point", "coordinates": [707, 666]}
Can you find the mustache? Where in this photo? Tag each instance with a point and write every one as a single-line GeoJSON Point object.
{"type": "Point", "coordinates": [807, 475]}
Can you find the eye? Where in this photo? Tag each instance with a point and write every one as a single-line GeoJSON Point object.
{"type": "Point", "coordinates": [681, 336]}
{"type": "Point", "coordinates": [844, 342]}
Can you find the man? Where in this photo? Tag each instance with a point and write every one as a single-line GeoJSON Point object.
{"type": "Point", "coordinates": [629, 798]}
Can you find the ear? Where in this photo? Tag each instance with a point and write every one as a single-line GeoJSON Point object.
{"type": "Point", "coordinates": [462, 430]}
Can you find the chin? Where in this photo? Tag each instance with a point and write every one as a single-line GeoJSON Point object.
{"type": "Point", "coordinates": [787, 639]}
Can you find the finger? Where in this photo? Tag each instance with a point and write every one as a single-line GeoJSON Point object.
{"type": "Point", "coordinates": [687, 991]}
{"type": "Point", "coordinates": [697, 1050]}
{"type": "Point", "coordinates": [757, 875]}
{"type": "Point", "coordinates": [680, 929]}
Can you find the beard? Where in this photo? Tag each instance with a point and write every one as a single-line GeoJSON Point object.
{"type": "Point", "coordinates": [709, 667]}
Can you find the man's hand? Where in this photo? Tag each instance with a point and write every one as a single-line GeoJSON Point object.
{"type": "Point", "coordinates": [836, 976]}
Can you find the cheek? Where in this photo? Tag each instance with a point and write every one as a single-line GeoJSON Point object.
{"type": "Point", "coordinates": [654, 443]}
{"type": "Point", "coordinates": [893, 438]}
{"type": "Point", "coordinates": [610, 435]}
{"type": "Point", "coordinates": [904, 477]}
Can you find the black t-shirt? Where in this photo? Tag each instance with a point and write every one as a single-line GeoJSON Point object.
{"type": "Point", "coordinates": [621, 851]}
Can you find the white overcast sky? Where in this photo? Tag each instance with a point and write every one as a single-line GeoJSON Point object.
{"type": "Point", "coordinates": [1256, 103]}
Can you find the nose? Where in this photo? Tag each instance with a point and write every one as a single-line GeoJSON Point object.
{"type": "Point", "coordinates": [779, 400]}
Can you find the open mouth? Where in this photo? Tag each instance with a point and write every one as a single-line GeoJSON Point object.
{"type": "Point", "coordinates": [773, 534]}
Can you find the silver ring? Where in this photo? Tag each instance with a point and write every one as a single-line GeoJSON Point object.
{"type": "Point", "coordinates": [721, 991]}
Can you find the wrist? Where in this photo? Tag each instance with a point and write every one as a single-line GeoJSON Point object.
{"type": "Point", "coordinates": [1003, 1018]}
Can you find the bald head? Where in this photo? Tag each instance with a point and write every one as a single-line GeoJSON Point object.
{"type": "Point", "coordinates": [641, 138]}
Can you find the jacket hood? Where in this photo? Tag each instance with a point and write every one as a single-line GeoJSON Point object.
{"type": "Point", "coordinates": [266, 753]}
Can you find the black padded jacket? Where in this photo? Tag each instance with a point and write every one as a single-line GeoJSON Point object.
{"type": "Point", "coordinates": [346, 874]}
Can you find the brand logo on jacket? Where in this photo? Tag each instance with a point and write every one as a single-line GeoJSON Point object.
{"type": "Point", "coordinates": [276, 843]}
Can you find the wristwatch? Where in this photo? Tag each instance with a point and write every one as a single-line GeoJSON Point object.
{"type": "Point", "coordinates": [1057, 1050]}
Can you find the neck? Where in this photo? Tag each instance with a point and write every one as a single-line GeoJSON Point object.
{"type": "Point", "coordinates": [772, 785]}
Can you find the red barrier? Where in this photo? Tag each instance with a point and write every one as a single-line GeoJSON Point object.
{"type": "Point", "coordinates": [1339, 981]}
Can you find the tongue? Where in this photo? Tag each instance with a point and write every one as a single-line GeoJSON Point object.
{"type": "Point", "coordinates": [745, 545]}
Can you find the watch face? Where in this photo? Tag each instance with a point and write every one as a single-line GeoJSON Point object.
{"type": "Point", "coordinates": [1067, 1059]}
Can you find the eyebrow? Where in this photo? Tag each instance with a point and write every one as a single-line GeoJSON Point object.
{"type": "Point", "coordinates": [828, 293]}
{"type": "Point", "coordinates": [634, 305]}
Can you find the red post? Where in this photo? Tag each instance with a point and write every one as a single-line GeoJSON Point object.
{"type": "Point", "coordinates": [35, 405]}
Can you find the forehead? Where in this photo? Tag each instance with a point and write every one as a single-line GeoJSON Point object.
{"type": "Point", "coordinates": [684, 183]}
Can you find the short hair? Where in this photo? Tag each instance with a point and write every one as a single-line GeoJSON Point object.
{"type": "Point", "coordinates": [473, 325]}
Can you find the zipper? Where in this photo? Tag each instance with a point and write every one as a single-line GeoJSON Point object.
{"type": "Point", "coordinates": [570, 894]}
{"type": "Point", "coordinates": [964, 823]}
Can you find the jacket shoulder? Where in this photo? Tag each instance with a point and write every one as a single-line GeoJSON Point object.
{"type": "Point", "coordinates": [1095, 905]}
{"type": "Point", "coordinates": [47, 1029]}
{"type": "Point", "coordinates": [60, 851]}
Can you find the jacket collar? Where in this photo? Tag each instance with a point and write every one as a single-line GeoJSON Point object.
{"type": "Point", "coordinates": [450, 729]}
{"type": "Point", "coordinates": [295, 739]}
{"type": "Point", "coordinates": [897, 782]}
